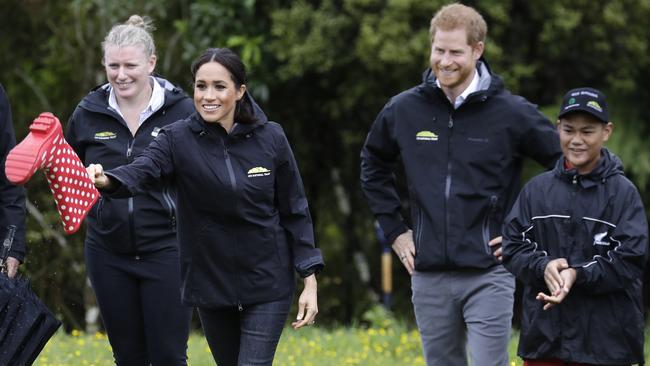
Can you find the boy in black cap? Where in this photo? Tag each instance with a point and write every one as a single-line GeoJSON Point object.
{"type": "Point", "coordinates": [577, 238]}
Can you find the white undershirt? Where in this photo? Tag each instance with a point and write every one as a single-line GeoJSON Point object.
{"type": "Point", "coordinates": [155, 102]}
{"type": "Point", "coordinates": [471, 88]}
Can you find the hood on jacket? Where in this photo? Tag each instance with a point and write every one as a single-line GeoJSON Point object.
{"type": "Point", "coordinates": [608, 166]}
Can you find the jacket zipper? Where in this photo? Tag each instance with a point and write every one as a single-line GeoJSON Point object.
{"type": "Point", "coordinates": [231, 172]}
{"type": "Point", "coordinates": [448, 187]}
{"type": "Point", "coordinates": [129, 152]}
{"type": "Point", "coordinates": [486, 222]}
{"type": "Point", "coordinates": [233, 184]}
{"type": "Point", "coordinates": [171, 206]}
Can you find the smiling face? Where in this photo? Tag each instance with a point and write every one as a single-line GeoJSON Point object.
{"type": "Point", "coordinates": [581, 138]}
{"type": "Point", "coordinates": [215, 93]}
{"type": "Point", "coordinates": [128, 69]}
{"type": "Point", "coordinates": [453, 60]}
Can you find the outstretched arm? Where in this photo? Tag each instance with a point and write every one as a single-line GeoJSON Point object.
{"type": "Point", "coordinates": [154, 163]}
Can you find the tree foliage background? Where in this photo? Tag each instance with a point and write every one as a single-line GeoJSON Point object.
{"type": "Point", "coordinates": [323, 69]}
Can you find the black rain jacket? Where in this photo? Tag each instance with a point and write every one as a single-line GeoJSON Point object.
{"type": "Point", "coordinates": [98, 134]}
{"type": "Point", "coordinates": [243, 218]}
{"type": "Point", "coordinates": [462, 166]}
{"type": "Point", "coordinates": [598, 223]}
{"type": "Point", "coordinates": [12, 198]}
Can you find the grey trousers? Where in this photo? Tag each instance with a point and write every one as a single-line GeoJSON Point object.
{"type": "Point", "coordinates": [461, 310]}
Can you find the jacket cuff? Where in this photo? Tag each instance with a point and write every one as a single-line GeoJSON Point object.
{"type": "Point", "coordinates": [401, 229]}
{"type": "Point", "coordinates": [311, 265]}
{"type": "Point", "coordinates": [541, 267]}
{"type": "Point", "coordinates": [581, 277]}
{"type": "Point", "coordinates": [119, 190]}
{"type": "Point", "coordinates": [392, 226]}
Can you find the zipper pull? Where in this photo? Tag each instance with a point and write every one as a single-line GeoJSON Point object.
{"type": "Point", "coordinates": [451, 122]}
{"type": "Point", "coordinates": [575, 179]}
{"type": "Point", "coordinates": [240, 307]}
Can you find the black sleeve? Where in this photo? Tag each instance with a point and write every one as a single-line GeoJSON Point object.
{"type": "Point", "coordinates": [540, 140]}
{"type": "Point", "coordinates": [12, 198]}
{"type": "Point", "coordinates": [294, 212]}
{"type": "Point", "coordinates": [378, 162]}
{"type": "Point", "coordinates": [521, 255]}
{"type": "Point", "coordinates": [625, 263]}
{"type": "Point", "coordinates": [153, 164]}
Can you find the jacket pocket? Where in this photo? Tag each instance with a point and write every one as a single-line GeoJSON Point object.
{"type": "Point", "coordinates": [170, 206]}
{"type": "Point", "coordinates": [418, 230]}
{"type": "Point", "coordinates": [100, 205]}
{"type": "Point", "coordinates": [487, 219]}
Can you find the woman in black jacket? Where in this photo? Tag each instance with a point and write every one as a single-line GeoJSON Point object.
{"type": "Point", "coordinates": [131, 249]}
{"type": "Point", "coordinates": [243, 218]}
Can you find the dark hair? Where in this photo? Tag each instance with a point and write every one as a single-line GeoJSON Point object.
{"type": "Point", "coordinates": [244, 112]}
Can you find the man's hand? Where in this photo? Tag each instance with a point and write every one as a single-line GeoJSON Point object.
{"type": "Point", "coordinates": [404, 247]}
{"type": "Point", "coordinates": [569, 278]}
{"type": "Point", "coordinates": [497, 251]}
{"type": "Point", "coordinates": [11, 265]}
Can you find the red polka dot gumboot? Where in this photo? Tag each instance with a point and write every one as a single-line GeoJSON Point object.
{"type": "Point", "coordinates": [45, 148]}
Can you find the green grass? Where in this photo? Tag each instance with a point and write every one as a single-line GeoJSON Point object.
{"type": "Point", "coordinates": [377, 346]}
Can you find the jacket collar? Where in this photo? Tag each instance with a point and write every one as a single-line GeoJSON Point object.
{"type": "Point", "coordinates": [97, 99]}
{"type": "Point", "coordinates": [608, 166]}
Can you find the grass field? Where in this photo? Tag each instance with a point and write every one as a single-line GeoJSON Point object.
{"type": "Point", "coordinates": [375, 346]}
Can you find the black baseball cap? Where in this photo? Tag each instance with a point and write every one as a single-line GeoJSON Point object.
{"type": "Point", "coordinates": [587, 100]}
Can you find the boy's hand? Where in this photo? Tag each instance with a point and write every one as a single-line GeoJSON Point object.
{"type": "Point", "coordinates": [569, 278]}
{"type": "Point", "coordinates": [552, 277]}
{"type": "Point", "coordinates": [12, 266]}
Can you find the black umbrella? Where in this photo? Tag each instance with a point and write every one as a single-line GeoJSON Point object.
{"type": "Point", "coordinates": [26, 324]}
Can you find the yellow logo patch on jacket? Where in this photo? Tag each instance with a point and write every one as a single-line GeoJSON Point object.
{"type": "Point", "coordinates": [258, 171]}
{"type": "Point", "coordinates": [426, 136]}
{"type": "Point", "coordinates": [106, 135]}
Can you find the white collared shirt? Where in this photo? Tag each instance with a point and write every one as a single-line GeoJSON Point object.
{"type": "Point", "coordinates": [471, 88]}
{"type": "Point", "coordinates": [155, 102]}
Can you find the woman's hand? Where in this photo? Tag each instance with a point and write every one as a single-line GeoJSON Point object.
{"type": "Point", "coordinates": [307, 304]}
{"type": "Point", "coordinates": [97, 176]}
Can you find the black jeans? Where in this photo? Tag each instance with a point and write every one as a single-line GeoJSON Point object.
{"type": "Point", "coordinates": [246, 337]}
{"type": "Point", "coordinates": [140, 303]}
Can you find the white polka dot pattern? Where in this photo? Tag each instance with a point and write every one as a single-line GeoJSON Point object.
{"type": "Point", "coordinates": [73, 191]}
